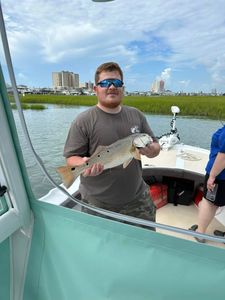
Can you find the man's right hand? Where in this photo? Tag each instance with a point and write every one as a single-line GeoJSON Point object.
{"type": "Point", "coordinates": [94, 170]}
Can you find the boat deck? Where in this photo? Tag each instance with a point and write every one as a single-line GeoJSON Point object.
{"type": "Point", "coordinates": [181, 156]}
{"type": "Point", "coordinates": [183, 216]}
{"type": "Point", "coordinates": [182, 161]}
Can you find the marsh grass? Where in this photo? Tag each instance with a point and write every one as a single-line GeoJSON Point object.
{"type": "Point", "coordinates": [30, 106]}
{"type": "Point", "coordinates": [212, 107]}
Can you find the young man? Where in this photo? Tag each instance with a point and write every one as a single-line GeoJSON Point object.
{"type": "Point", "coordinates": [118, 189]}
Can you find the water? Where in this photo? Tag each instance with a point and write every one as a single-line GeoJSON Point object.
{"type": "Point", "coordinates": [48, 131]}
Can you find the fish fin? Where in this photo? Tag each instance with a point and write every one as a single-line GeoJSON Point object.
{"type": "Point", "coordinates": [126, 163]}
{"type": "Point", "coordinates": [134, 151]}
{"type": "Point", "coordinates": [136, 154]}
{"type": "Point", "coordinates": [67, 176]}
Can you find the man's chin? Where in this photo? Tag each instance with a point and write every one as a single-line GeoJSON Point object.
{"type": "Point", "coordinates": [112, 105]}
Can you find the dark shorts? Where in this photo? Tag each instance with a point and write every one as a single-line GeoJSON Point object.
{"type": "Point", "coordinates": [220, 195]}
{"type": "Point", "coordinates": [142, 208]}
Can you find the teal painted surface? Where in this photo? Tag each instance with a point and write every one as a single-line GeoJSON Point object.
{"type": "Point", "coordinates": [78, 256]}
{"type": "Point", "coordinates": [5, 105]}
{"type": "Point", "coordinates": [4, 270]}
{"type": "Point", "coordinates": [3, 205]}
{"type": "Point", "coordinates": [19, 215]}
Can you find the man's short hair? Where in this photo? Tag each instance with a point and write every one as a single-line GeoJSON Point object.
{"type": "Point", "coordinates": [108, 67]}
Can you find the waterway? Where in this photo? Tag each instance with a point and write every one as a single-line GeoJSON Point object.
{"type": "Point", "coordinates": [48, 131]}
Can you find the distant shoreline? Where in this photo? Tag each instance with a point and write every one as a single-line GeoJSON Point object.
{"type": "Point", "coordinates": [211, 107]}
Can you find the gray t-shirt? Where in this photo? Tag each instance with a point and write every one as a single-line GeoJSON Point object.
{"type": "Point", "coordinates": [115, 187]}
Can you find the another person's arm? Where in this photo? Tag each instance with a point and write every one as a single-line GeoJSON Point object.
{"type": "Point", "coordinates": [218, 167]}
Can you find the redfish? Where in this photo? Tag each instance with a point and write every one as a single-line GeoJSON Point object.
{"type": "Point", "coordinates": [120, 152]}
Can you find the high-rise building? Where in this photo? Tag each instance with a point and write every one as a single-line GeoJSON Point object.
{"type": "Point", "coordinates": [157, 87]}
{"type": "Point", "coordinates": [87, 85]}
{"type": "Point", "coordinates": [161, 86]}
{"type": "Point", "coordinates": [65, 80]}
{"type": "Point", "coordinates": [90, 85]}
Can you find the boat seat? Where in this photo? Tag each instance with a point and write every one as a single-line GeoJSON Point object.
{"type": "Point", "coordinates": [158, 173]}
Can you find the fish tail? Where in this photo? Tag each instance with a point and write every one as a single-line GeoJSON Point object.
{"type": "Point", "coordinates": [68, 175]}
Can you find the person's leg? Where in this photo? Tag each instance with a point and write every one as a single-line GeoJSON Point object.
{"type": "Point", "coordinates": [95, 213]}
{"type": "Point", "coordinates": [207, 211]}
{"type": "Point", "coordinates": [142, 208]}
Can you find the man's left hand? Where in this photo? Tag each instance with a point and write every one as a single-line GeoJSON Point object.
{"type": "Point", "coordinates": [150, 150]}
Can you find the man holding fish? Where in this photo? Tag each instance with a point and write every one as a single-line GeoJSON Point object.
{"type": "Point", "coordinates": [104, 144]}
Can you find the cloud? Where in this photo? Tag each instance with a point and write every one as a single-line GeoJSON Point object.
{"type": "Point", "coordinates": [68, 41]}
{"type": "Point", "coordinates": [165, 75]}
{"type": "Point", "coordinates": [184, 83]}
{"type": "Point", "coordinates": [21, 76]}
{"type": "Point", "coordinates": [177, 34]}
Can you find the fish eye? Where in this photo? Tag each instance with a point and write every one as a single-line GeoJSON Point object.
{"type": "Point", "coordinates": [72, 169]}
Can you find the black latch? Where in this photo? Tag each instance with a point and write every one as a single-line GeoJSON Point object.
{"type": "Point", "coordinates": [3, 189]}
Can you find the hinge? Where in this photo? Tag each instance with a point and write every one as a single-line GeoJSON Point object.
{"type": "Point", "coordinates": [3, 189]}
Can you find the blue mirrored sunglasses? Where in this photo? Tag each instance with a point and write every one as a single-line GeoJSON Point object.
{"type": "Point", "coordinates": [107, 82]}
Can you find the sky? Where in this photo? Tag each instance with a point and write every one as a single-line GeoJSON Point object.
{"type": "Point", "coordinates": [179, 41]}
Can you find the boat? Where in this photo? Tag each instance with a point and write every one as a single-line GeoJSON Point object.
{"type": "Point", "coordinates": [49, 249]}
{"type": "Point", "coordinates": [177, 164]}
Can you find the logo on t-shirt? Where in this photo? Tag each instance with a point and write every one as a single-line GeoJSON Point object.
{"type": "Point", "coordinates": [135, 129]}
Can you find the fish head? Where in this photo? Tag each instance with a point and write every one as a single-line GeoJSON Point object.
{"type": "Point", "coordinates": [142, 140]}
